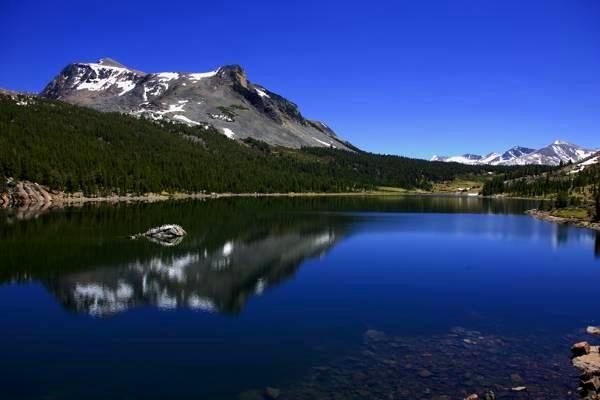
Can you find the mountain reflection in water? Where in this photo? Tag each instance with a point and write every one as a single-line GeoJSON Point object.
{"type": "Point", "coordinates": [235, 248]}
{"type": "Point", "coordinates": [217, 280]}
{"type": "Point", "coordinates": [231, 253]}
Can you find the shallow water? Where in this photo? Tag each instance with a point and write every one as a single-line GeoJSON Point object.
{"type": "Point", "coordinates": [409, 298]}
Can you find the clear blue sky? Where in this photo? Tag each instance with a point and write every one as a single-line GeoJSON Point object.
{"type": "Point", "coordinates": [403, 77]}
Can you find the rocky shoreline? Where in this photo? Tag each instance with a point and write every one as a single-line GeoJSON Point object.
{"type": "Point", "coordinates": [586, 359]}
{"type": "Point", "coordinates": [547, 216]}
{"type": "Point", "coordinates": [30, 195]}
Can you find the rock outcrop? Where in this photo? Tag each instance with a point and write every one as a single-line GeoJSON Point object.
{"type": "Point", "coordinates": [586, 359]}
{"type": "Point", "coordinates": [27, 194]}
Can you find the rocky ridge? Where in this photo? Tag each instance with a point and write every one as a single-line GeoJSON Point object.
{"type": "Point", "coordinates": [224, 98]}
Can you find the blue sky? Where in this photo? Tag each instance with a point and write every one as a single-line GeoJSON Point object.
{"type": "Point", "coordinates": [402, 77]}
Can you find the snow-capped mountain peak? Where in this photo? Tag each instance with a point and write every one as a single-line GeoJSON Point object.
{"type": "Point", "coordinates": [111, 63]}
{"type": "Point", "coordinates": [490, 158]}
{"type": "Point", "coordinates": [224, 98]}
{"type": "Point", "coordinates": [553, 154]}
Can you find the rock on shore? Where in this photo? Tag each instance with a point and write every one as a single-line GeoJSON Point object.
{"type": "Point", "coordinates": [547, 216]}
{"type": "Point", "coordinates": [587, 360]}
{"type": "Point", "coordinates": [25, 194]}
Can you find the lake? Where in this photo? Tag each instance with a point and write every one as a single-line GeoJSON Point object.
{"type": "Point", "coordinates": [332, 298]}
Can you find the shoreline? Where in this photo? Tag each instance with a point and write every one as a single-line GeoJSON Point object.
{"type": "Point", "coordinates": [30, 198]}
{"type": "Point", "coordinates": [76, 200]}
{"type": "Point", "coordinates": [548, 217]}
{"type": "Point", "coordinates": [30, 195]}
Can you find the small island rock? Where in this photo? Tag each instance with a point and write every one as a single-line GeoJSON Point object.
{"type": "Point", "coordinates": [165, 235]}
{"type": "Point", "coordinates": [168, 231]}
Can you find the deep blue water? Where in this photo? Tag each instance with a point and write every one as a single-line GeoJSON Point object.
{"type": "Point", "coordinates": [263, 290]}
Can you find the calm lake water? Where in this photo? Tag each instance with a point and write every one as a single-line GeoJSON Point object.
{"type": "Point", "coordinates": [392, 298]}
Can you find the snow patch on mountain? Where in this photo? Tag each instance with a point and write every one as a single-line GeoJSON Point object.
{"type": "Point", "coordinates": [167, 76]}
{"type": "Point", "coordinates": [262, 93]}
{"type": "Point", "coordinates": [103, 77]}
{"type": "Point", "coordinates": [581, 166]}
{"type": "Point", "coordinates": [323, 142]}
{"type": "Point", "coordinates": [186, 120]}
{"type": "Point", "coordinates": [201, 75]}
{"type": "Point", "coordinates": [229, 133]}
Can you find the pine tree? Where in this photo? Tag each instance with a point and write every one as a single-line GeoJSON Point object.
{"type": "Point", "coordinates": [597, 205]}
{"type": "Point", "coordinates": [562, 200]}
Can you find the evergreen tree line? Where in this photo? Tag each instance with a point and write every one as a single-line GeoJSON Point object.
{"type": "Point", "coordinates": [567, 189]}
{"type": "Point", "coordinates": [544, 185]}
{"type": "Point", "coordinates": [72, 148]}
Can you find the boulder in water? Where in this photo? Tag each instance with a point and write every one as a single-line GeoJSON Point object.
{"type": "Point", "coordinates": [593, 330]}
{"type": "Point", "coordinates": [168, 231]}
{"type": "Point", "coordinates": [167, 235]}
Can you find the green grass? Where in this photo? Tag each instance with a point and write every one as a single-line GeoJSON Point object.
{"type": "Point", "coordinates": [391, 189]}
{"type": "Point", "coordinates": [576, 213]}
{"type": "Point", "coordinates": [474, 184]}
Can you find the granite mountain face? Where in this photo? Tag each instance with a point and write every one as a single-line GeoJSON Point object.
{"type": "Point", "coordinates": [553, 154]}
{"type": "Point", "coordinates": [224, 98]}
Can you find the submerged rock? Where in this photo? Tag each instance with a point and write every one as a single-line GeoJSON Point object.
{"type": "Point", "coordinates": [424, 373]}
{"type": "Point", "coordinates": [374, 335]}
{"type": "Point", "coordinates": [490, 395]}
{"type": "Point", "coordinates": [272, 393]}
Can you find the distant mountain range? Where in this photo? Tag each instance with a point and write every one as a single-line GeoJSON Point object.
{"type": "Point", "coordinates": [223, 98]}
{"type": "Point", "coordinates": [553, 154]}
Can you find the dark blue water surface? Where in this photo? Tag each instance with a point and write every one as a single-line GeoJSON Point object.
{"type": "Point", "coordinates": [415, 297]}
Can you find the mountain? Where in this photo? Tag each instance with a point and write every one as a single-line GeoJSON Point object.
{"type": "Point", "coordinates": [573, 184]}
{"type": "Point", "coordinates": [553, 154]}
{"type": "Point", "coordinates": [508, 156]}
{"type": "Point", "coordinates": [223, 98]}
{"type": "Point", "coordinates": [584, 164]}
